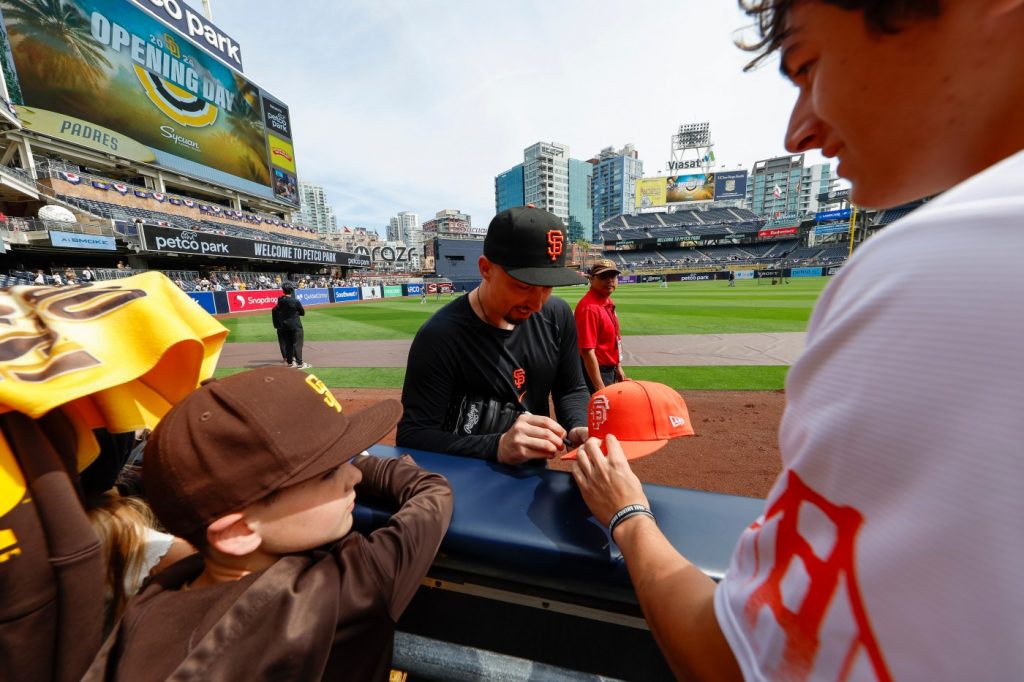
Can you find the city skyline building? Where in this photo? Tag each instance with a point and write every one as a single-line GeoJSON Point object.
{"type": "Point", "coordinates": [451, 221]}
{"type": "Point", "coordinates": [405, 228]}
{"type": "Point", "coordinates": [314, 209]}
{"type": "Point", "coordinates": [815, 180]}
{"type": "Point", "coordinates": [773, 188]}
{"type": "Point", "coordinates": [549, 179]}
{"type": "Point", "coordinates": [509, 190]}
{"type": "Point", "coordinates": [580, 223]}
{"type": "Point", "coordinates": [613, 187]}
{"type": "Point", "coordinates": [546, 178]}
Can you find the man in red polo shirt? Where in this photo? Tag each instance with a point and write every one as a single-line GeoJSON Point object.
{"type": "Point", "coordinates": [597, 328]}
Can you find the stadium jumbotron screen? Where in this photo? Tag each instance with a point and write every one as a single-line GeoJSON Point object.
{"type": "Point", "coordinates": [109, 76]}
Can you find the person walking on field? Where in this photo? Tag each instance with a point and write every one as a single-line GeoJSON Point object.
{"type": "Point", "coordinates": [286, 316]}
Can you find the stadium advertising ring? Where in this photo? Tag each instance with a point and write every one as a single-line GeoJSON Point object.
{"type": "Point", "coordinates": [172, 240]}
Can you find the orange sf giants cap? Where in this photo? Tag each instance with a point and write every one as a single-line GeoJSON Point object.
{"type": "Point", "coordinates": [643, 415]}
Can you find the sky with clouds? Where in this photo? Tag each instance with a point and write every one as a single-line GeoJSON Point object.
{"type": "Point", "coordinates": [417, 105]}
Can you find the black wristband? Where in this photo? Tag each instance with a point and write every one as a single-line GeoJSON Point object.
{"type": "Point", "coordinates": [626, 512]}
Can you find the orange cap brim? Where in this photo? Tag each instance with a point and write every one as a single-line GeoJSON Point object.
{"type": "Point", "coordinates": [634, 449]}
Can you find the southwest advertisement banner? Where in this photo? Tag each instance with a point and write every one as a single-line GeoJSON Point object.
{"type": "Point", "coordinates": [205, 300]}
{"type": "Point", "coordinates": [118, 79]}
{"type": "Point", "coordinates": [173, 240]}
{"type": "Point", "coordinates": [730, 185]}
{"type": "Point", "coordinates": [342, 294]}
{"type": "Point", "coordinates": [777, 232]}
{"type": "Point", "coordinates": [75, 240]}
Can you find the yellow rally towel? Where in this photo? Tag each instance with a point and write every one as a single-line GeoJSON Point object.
{"type": "Point", "coordinates": [115, 355]}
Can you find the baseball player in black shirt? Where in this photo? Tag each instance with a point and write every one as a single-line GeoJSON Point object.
{"type": "Point", "coordinates": [481, 370]}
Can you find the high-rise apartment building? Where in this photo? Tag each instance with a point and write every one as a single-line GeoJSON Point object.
{"type": "Point", "coordinates": [774, 187]}
{"type": "Point", "coordinates": [549, 179]}
{"type": "Point", "coordinates": [580, 224]}
{"type": "Point", "coordinates": [613, 189]}
{"type": "Point", "coordinates": [315, 210]}
{"type": "Point", "coordinates": [450, 221]}
{"type": "Point", "coordinates": [509, 191]}
{"type": "Point", "coordinates": [816, 179]}
{"type": "Point", "coordinates": [546, 177]}
{"type": "Point", "coordinates": [405, 228]}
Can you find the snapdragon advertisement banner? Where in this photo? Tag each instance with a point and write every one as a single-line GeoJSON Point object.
{"type": "Point", "coordinates": [107, 74]}
{"type": "Point", "coordinates": [244, 301]}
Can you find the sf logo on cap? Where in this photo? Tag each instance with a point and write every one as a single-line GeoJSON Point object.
{"type": "Point", "coordinates": [555, 240]}
{"type": "Point", "coordinates": [598, 411]}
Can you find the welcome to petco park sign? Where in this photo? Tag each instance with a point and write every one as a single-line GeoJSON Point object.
{"type": "Point", "coordinates": [172, 240]}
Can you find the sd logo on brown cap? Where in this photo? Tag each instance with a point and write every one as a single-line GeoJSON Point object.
{"type": "Point", "coordinates": [530, 244]}
{"type": "Point", "coordinates": [233, 441]}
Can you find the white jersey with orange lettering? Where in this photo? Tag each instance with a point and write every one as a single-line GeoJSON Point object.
{"type": "Point", "coordinates": [891, 544]}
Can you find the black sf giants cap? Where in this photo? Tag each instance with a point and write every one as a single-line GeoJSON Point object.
{"type": "Point", "coordinates": [530, 244]}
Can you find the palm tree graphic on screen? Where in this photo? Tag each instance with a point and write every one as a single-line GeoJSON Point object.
{"type": "Point", "coordinates": [57, 42]}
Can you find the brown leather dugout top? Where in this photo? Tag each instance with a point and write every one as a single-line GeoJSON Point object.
{"type": "Point", "coordinates": [324, 614]}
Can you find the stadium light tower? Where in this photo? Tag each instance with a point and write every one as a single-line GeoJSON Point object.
{"type": "Point", "coordinates": [207, 10]}
{"type": "Point", "coordinates": [692, 149]}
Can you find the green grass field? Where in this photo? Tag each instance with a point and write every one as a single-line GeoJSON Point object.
{"type": "Point", "coordinates": [682, 308]}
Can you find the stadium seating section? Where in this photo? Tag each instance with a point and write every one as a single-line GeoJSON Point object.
{"type": "Point", "coordinates": [82, 191]}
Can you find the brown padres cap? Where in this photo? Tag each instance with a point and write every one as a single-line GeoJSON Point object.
{"type": "Point", "coordinates": [233, 441]}
{"type": "Point", "coordinates": [602, 266]}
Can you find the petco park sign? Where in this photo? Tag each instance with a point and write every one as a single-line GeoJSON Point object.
{"type": "Point", "coordinates": [201, 31]}
{"type": "Point", "coordinates": [172, 240]}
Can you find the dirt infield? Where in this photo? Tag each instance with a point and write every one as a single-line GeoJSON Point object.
{"type": "Point", "coordinates": [735, 449]}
